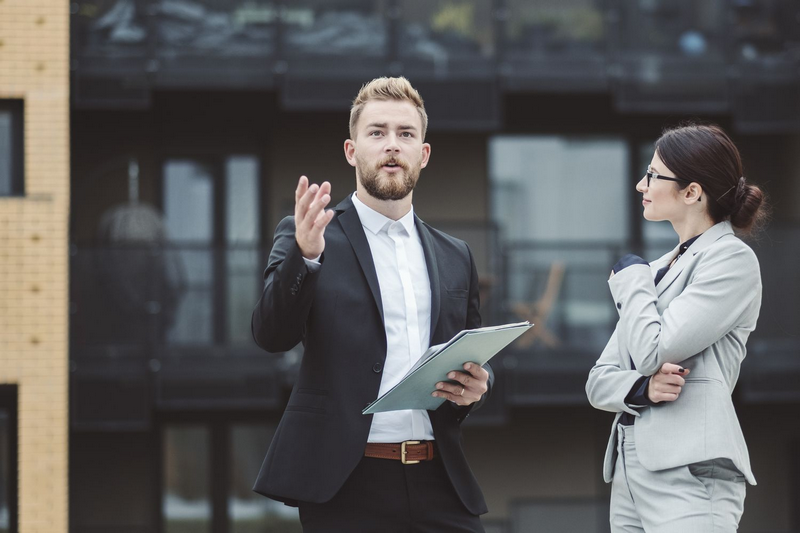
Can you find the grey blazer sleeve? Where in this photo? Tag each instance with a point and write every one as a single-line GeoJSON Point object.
{"type": "Point", "coordinates": [608, 383]}
{"type": "Point", "coordinates": [722, 288]}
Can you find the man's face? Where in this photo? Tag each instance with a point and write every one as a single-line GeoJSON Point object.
{"type": "Point", "coordinates": [388, 152]}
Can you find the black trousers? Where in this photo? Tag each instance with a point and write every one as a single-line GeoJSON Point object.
{"type": "Point", "coordinates": [386, 496]}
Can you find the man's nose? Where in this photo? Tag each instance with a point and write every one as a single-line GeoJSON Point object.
{"type": "Point", "coordinates": [392, 144]}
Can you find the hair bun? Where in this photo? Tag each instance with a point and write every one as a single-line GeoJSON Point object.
{"type": "Point", "coordinates": [746, 215]}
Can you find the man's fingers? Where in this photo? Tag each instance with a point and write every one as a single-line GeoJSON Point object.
{"type": "Point", "coordinates": [474, 382]}
{"type": "Point", "coordinates": [456, 393]}
{"type": "Point", "coordinates": [319, 224]}
{"type": "Point", "coordinates": [477, 371]}
{"type": "Point", "coordinates": [305, 201]}
{"type": "Point", "coordinates": [302, 187]}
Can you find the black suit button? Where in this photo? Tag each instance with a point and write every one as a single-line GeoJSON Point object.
{"type": "Point", "coordinates": [619, 305]}
{"type": "Point", "coordinates": [377, 367]}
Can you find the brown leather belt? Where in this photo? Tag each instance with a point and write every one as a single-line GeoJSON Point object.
{"type": "Point", "coordinates": [409, 452]}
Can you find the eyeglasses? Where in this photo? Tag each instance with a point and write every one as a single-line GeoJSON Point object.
{"type": "Point", "coordinates": [651, 174]}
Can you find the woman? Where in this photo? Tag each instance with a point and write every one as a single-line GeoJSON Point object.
{"type": "Point", "coordinates": [677, 459]}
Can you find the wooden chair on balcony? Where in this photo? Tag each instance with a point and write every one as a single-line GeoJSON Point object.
{"type": "Point", "coordinates": [538, 311]}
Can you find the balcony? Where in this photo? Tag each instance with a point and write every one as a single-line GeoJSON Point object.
{"type": "Point", "coordinates": [163, 329]}
{"type": "Point", "coordinates": [709, 56]}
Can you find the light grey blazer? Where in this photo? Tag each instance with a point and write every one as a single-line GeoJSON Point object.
{"type": "Point", "coordinates": [699, 316]}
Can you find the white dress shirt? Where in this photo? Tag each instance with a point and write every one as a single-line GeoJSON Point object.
{"type": "Point", "coordinates": [406, 296]}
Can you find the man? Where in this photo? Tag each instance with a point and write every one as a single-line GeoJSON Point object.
{"type": "Point", "coordinates": [367, 287]}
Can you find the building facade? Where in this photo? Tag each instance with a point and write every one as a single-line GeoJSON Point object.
{"type": "Point", "coordinates": [34, 217]}
{"type": "Point", "coordinates": [193, 119]}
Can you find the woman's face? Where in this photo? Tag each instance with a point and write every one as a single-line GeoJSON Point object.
{"type": "Point", "coordinates": [660, 199]}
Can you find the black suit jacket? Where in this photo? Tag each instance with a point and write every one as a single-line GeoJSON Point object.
{"type": "Point", "coordinates": [338, 315]}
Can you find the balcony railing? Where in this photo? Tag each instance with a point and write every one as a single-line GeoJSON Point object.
{"type": "Point", "coordinates": [676, 55]}
{"type": "Point", "coordinates": [170, 326]}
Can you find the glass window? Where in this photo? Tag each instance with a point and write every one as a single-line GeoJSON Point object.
{"type": "Point", "coordinates": [562, 208]}
{"type": "Point", "coordinates": [555, 28]}
{"type": "Point", "coordinates": [186, 504]}
{"type": "Point", "coordinates": [242, 232]}
{"type": "Point", "coordinates": [335, 27]}
{"type": "Point", "coordinates": [689, 29]}
{"type": "Point", "coordinates": [5, 478]}
{"type": "Point", "coordinates": [438, 31]}
{"type": "Point", "coordinates": [120, 28]}
{"type": "Point", "coordinates": [248, 511]}
{"type": "Point", "coordinates": [189, 215]}
{"type": "Point", "coordinates": [12, 152]}
{"type": "Point", "coordinates": [8, 458]}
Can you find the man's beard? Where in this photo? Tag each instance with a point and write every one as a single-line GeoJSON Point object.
{"type": "Point", "coordinates": [391, 187]}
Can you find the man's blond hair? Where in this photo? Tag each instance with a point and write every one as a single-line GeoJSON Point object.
{"type": "Point", "coordinates": [387, 89]}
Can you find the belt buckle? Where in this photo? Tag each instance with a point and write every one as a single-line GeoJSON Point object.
{"type": "Point", "coordinates": [403, 452]}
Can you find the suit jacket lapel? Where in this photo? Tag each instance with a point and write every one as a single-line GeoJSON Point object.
{"type": "Point", "coordinates": [354, 231]}
{"type": "Point", "coordinates": [711, 235]}
{"type": "Point", "coordinates": [433, 271]}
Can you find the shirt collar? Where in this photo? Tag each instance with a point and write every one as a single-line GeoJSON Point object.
{"type": "Point", "coordinates": [685, 246]}
{"type": "Point", "coordinates": [375, 222]}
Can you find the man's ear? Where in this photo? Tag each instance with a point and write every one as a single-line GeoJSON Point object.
{"type": "Point", "coordinates": [350, 152]}
{"type": "Point", "coordinates": [426, 154]}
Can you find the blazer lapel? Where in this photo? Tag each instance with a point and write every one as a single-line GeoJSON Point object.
{"type": "Point", "coordinates": [433, 271]}
{"type": "Point", "coordinates": [354, 231]}
{"type": "Point", "coordinates": [711, 235]}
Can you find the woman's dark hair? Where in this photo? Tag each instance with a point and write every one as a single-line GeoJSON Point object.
{"type": "Point", "coordinates": [704, 154]}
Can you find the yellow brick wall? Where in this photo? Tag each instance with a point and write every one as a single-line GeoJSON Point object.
{"type": "Point", "coordinates": [34, 66]}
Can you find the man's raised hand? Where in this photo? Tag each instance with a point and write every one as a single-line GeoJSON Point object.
{"type": "Point", "coordinates": [310, 217]}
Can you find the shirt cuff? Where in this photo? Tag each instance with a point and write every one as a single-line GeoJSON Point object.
{"type": "Point", "coordinates": [638, 394]}
{"type": "Point", "coordinates": [627, 261]}
{"type": "Point", "coordinates": [313, 265]}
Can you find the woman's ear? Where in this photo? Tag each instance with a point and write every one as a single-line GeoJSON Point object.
{"type": "Point", "coordinates": [693, 192]}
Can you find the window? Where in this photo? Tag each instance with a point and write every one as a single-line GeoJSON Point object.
{"type": "Point", "coordinates": [11, 148]}
{"type": "Point", "coordinates": [8, 458]}
{"type": "Point", "coordinates": [562, 207]}
{"type": "Point", "coordinates": [208, 474]}
{"type": "Point", "coordinates": [212, 217]}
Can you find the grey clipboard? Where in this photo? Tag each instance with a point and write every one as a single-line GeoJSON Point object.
{"type": "Point", "coordinates": [475, 345]}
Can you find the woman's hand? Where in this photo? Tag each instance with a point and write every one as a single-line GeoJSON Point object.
{"type": "Point", "coordinates": [666, 384]}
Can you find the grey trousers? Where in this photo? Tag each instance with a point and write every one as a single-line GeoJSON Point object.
{"type": "Point", "coordinates": [705, 497]}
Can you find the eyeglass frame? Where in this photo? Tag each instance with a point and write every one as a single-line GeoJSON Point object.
{"type": "Point", "coordinates": [650, 174]}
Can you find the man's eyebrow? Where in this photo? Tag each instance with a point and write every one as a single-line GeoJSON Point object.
{"type": "Point", "coordinates": [383, 125]}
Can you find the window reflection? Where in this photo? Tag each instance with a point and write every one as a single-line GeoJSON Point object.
{"type": "Point", "coordinates": [186, 504]}
{"type": "Point", "coordinates": [442, 30]}
{"type": "Point", "coordinates": [557, 259]}
{"type": "Point", "coordinates": [338, 27]}
{"type": "Point", "coordinates": [242, 230]}
{"type": "Point", "coordinates": [555, 27]}
{"type": "Point", "coordinates": [250, 512]}
{"type": "Point", "coordinates": [120, 28]}
{"type": "Point", "coordinates": [189, 214]}
{"type": "Point", "coordinates": [688, 29]}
